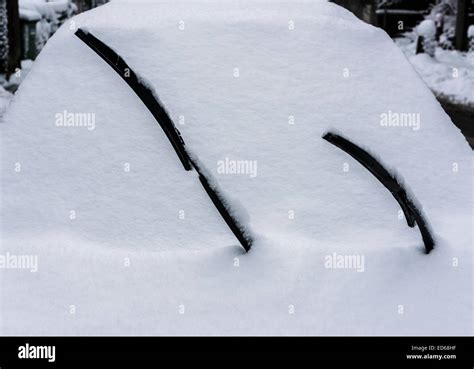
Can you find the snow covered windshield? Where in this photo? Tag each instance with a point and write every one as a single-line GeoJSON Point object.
{"type": "Point", "coordinates": [146, 235]}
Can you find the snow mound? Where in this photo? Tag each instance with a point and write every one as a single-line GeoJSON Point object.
{"type": "Point", "coordinates": [470, 31]}
{"type": "Point", "coordinates": [127, 242]}
{"type": "Point", "coordinates": [427, 28]}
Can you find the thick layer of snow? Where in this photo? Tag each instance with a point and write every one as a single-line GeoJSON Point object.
{"type": "Point", "coordinates": [129, 243]}
{"type": "Point", "coordinates": [450, 73]}
{"type": "Point", "coordinates": [39, 6]}
{"type": "Point", "coordinates": [29, 15]}
{"type": "Point", "coordinates": [427, 28]}
{"type": "Point", "coordinates": [59, 6]}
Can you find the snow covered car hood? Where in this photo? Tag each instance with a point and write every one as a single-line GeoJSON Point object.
{"type": "Point", "coordinates": [254, 84]}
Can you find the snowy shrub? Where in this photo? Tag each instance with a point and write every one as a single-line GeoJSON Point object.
{"type": "Point", "coordinates": [427, 31]}
{"type": "Point", "coordinates": [470, 35]}
{"type": "Point", "coordinates": [444, 15]}
{"type": "Point", "coordinates": [43, 32]}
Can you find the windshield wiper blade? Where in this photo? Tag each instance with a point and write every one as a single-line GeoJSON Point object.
{"type": "Point", "coordinates": [413, 215]}
{"type": "Point", "coordinates": [156, 108]}
{"type": "Point", "coordinates": [140, 88]}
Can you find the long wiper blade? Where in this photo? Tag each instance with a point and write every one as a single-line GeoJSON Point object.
{"type": "Point", "coordinates": [144, 92]}
{"type": "Point", "coordinates": [151, 101]}
{"type": "Point", "coordinates": [413, 215]}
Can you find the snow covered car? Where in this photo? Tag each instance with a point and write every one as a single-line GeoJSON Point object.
{"type": "Point", "coordinates": [310, 142]}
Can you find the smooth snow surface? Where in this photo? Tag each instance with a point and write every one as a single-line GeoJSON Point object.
{"type": "Point", "coordinates": [129, 243]}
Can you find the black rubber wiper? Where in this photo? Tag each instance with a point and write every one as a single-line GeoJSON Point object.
{"type": "Point", "coordinates": [151, 101]}
{"type": "Point", "coordinates": [144, 92]}
{"type": "Point", "coordinates": [413, 215]}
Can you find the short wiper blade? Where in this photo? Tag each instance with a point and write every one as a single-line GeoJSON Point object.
{"type": "Point", "coordinates": [413, 215]}
{"type": "Point", "coordinates": [151, 101]}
